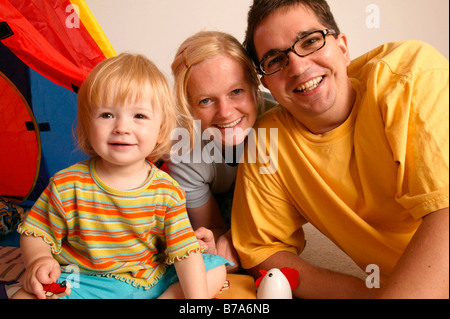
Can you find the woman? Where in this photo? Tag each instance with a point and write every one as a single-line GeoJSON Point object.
{"type": "Point", "coordinates": [216, 83]}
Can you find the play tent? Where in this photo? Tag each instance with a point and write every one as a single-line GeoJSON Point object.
{"type": "Point", "coordinates": [47, 49]}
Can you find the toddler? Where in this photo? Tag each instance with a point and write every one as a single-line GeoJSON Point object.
{"type": "Point", "coordinates": [115, 226]}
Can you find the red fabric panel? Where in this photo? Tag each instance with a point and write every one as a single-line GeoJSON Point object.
{"type": "Point", "coordinates": [32, 47]}
{"type": "Point", "coordinates": [59, 24]}
{"type": "Point", "coordinates": [19, 146]}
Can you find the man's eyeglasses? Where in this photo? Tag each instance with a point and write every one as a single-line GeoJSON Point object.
{"type": "Point", "coordinates": [304, 46]}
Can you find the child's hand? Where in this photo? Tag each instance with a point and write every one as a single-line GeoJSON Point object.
{"type": "Point", "coordinates": [205, 238]}
{"type": "Point", "coordinates": [44, 270]}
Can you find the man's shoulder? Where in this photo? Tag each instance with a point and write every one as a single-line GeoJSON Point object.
{"type": "Point", "coordinates": [403, 57]}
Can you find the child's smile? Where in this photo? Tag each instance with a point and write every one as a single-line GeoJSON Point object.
{"type": "Point", "coordinates": [124, 135]}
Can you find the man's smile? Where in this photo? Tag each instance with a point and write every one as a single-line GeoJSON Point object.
{"type": "Point", "coordinates": [310, 85]}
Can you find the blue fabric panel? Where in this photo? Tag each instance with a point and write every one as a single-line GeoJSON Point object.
{"type": "Point", "coordinates": [54, 108]}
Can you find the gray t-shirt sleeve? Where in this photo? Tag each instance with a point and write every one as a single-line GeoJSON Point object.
{"type": "Point", "coordinates": [194, 179]}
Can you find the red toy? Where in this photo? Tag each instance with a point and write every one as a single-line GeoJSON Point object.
{"type": "Point", "coordinates": [56, 290]}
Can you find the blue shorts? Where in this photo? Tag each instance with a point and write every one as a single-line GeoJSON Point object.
{"type": "Point", "coordinates": [93, 287]}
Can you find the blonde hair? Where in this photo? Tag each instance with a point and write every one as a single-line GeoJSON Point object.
{"type": "Point", "coordinates": [200, 47]}
{"type": "Point", "coordinates": [127, 78]}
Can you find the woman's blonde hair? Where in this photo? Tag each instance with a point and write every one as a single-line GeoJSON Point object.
{"type": "Point", "coordinates": [200, 47]}
{"type": "Point", "coordinates": [127, 78]}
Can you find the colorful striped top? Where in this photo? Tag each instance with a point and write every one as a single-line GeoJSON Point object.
{"type": "Point", "coordinates": [131, 235]}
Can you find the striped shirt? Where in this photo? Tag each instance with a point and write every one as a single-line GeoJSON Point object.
{"type": "Point", "coordinates": [131, 235]}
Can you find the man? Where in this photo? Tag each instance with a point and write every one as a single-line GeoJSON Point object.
{"type": "Point", "coordinates": [362, 155]}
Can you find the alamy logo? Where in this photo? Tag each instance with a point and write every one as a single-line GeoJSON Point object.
{"type": "Point", "coordinates": [373, 19]}
{"type": "Point", "coordinates": [207, 147]}
{"type": "Point", "coordinates": [373, 279]}
{"type": "Point", "coordinates": [74, 278]}
{"type": "Point", "coordinates": [73, 18]}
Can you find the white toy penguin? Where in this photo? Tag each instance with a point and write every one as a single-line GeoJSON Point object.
{"type": "Point", "coordinates": [276, 283]}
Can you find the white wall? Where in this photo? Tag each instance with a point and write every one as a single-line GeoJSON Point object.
{"type": "Point", "coordinates": [426, 20]}
{"type": "Point", "coordinates": [157, 27]}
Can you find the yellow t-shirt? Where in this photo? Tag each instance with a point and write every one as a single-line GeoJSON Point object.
{"type": "Point", "coordinates": [366, 184]}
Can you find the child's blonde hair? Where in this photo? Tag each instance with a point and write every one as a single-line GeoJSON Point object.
{"type": "Point", "coordinates": [203, 46]}
{"type": "Point", "coordinates": [127, 78]}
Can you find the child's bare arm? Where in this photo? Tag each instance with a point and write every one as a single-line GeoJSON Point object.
{"type": "Point", "coordinates": [41, 267]}
{"type": "Point", "coordinates": [192, 275]}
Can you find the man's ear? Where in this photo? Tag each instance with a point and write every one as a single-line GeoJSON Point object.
{"type": "Point", "coordinates": [342, 43]}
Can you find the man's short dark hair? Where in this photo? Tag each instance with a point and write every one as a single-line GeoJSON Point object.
{"type": "Point", "coordinates": [261, 9]}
